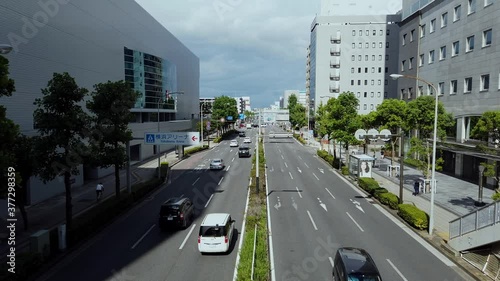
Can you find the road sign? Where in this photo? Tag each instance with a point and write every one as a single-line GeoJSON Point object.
{"type": "Point", "coordinates": [176, 138]}
{"type": "Point", "coordinates": [229, 118]}
{"type": "Point", "coordinates": [242, 116]}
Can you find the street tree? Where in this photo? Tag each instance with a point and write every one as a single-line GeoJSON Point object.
{"type": "Point", "coordinates": [322, 120]}
{"type": "Point", "coordinates": [420, 116]}
{"type": "Point", "coordinates": [223, 107]}
{"type": "Point", "coordinates": [292, 101]}
{"type": "Point", "coordinates": [488, 127]}
{"type": "Point", "coordinates": [366, 122]}
{"type": "Point", "coordinates": [62, 124]}
{"type": "Point", "coordinates": [298, 117]}
{"type": "Point", "coordinates": [110, 107]}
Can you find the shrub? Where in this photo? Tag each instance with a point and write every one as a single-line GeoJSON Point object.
{"type": "Point", "coordinates": [369, 184]}
{"type": "Point", "coordinates": [496, 196]}
{"type": "Point", "coordinates": [379, 191]}
{"type": "Point", "coordinates": [414, 216]}
{"type": "Point", "coordinates": [163, 170]}
{"type": "Point", "coordinates": [195, 149]}
{"type": "Point", "coordinates": [390, 199]}
{"type": "Point", "coordinates": [322, 153]}
{"type": "Point", "coordinates": [411, 162]}
{"type": "Point", "coordinates": [217, 139]}
{"type": "Point", "coordinates": [345, 170]}
{"type": "Point", "coordinates": [299, 138]}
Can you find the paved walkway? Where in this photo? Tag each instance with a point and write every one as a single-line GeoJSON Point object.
{"type": "Point", "coordinates": [50, 213]}
{"type": "Point", "coordinates": [453, 199]}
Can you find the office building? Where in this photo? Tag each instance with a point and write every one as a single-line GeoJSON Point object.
{"type": "Point", "coordinates": [243, 104]}
{"type": "Point", "coordinates": [97, 41]}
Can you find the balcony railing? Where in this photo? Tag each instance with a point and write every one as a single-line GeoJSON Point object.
{"type": "Point", "coordinates": [486, 216]}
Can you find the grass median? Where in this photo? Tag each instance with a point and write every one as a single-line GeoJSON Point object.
{"type": "Point", "coordinates": [256, 215]}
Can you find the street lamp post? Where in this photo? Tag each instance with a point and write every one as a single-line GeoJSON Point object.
{"type": "Point", "coordinates": [480, 202]}
{"type": "Point", "coordinates": [5, 49]}
{"type": "Point", "coordinates": [434, 141]}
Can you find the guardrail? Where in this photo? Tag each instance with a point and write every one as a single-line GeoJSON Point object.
{"type": "Point", "coordinates": [481, 218]}
{"type": "Point", "coordinates": [280, 135]}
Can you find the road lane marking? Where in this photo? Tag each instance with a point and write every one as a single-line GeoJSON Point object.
{"type": "Point", "coordinates": [286, 165]}
{"type": "Point", "coordinates": [235, 274]}
{"type": "Point", "coordinates": [397, 270]}
{"type": "Point", "coordinates": [322, 205]}
{"type": "Point", "coordinates": [306, 164]}
{"type": "Point", "coordinates": [298, 191]}
{"type": "Point", "coordinates": [312, 220]}
{"type": "Point", "coordinates": [196, 181]}
{"type": "Point", "coordinates": [290, 175]}
{"type": "Point", "coordinates": [300, 171]}
{"type": "Point", "coordinates": [330, 193]}
{"type": "Point", "coordinates": [209, 200]}
{"type": "Point", "coordinates": [315, 176]}
{"type": "Point", "coordinates": [300, 157]}
{"type": "Point", "coordinates": [232, 160]}
{"type": "Point", "coordinates": [231, 150]}
{"type": "Point", "coordinates": [355, 222]}
{"type": "Point", "coordinates": [142, 237]}
{"type": "Point", "coordinates": [221, 180]}
{"type": "Point", "coordinates": [282, 157]}
{"type": "Point", "coordinates": [331, 261]}
{"type": "Point", "coordinates": [187, 236]}
{"type": "Point", "coordinates": [228, 168]}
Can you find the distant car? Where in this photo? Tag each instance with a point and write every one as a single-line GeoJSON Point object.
{"type": "Point", "coordinates": [247, 140]}
{"type": "Point", "coordinates": [176, 212]}
{"type": "Point", "coordinates": [244, 151]}
{"type": "Point", "coordinates": [217, 164]}
{"type": "Point", "coordinates": [242, 134]}
{"type": "Point", "coordinates": [233, 143]}
{"type": "Point", "coordinates": [249, 126]}
{"type": "Point", "coordinates": [354, 264]}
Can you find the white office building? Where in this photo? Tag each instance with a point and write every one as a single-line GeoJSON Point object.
{"type": "Point", "coordinates": [243, 104]}
{"type": "Point", "coordinates": [97, 41]}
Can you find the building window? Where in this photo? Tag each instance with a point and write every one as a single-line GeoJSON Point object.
{"type": "Point", "coordinates": [378, 94]}
{"type": "Point", "coordinates": [453, 87]}
{"type": "Point", "coordinates": [379, 57]}
{"type": "Point", "coordinates": [353, 57]}
{"type": "Point", "coordinates": [429, 90]}
{"type": "Point", "coordinates": [373, 69]}
{"type": "Point", "coordinates": [442, 53]}
{"type": "Point", "coordinates": [444, 20]}
{"type": "Point", "coordinates": [374, 32]}
{"type": "Point", "coordinates": [488, 2]}
{"type": "Point", "coordinates": [410, 93]}
{"type": "Point", "coordinates": [388, 32]}
{"type": "Point", "coordinates": [354, 33]}
{"type": "Point", "coordinates": [456, 49]}
{"type": "Point", "coordinates": [367, 45]}
{"type": "Point", "coordinates": [364, 106]}
{"type": "Point", "coordinates": [380, 44]}
{"type": "Point", "coordinates": [487, 38]}
{"type": "Point", "coordinates": [352, 69]}
{"type": "Point", "coordinates": [359, 57]}
{"type": "Point", "coordinates": [358, 94]}
{"type": "Point", "coordinates": [372, 94]}
{"type": "Point", "coordinates": [441, 88]}
{"type": "Point", "coordinates": [379, 81]}
{"type": "Point", "coordinates": [404, 39]}
{"type": "Point", "coordinates": [365, 94]}
{"type": "Point", "coordinates": [412, 34]}
{"type": "Point", "coordinates": [386, 82]}
{"type": "Point", "coordinates": [432, 26]}
{"type": "Point", "coordinates": [386, 57]}
{"type": "Point", "coordinates": [366, 82]}
{"type": "Point", "coordinates": [402, 94]}
{"type": "Point", "coordinates": [380, 70]}
{"type": "Point", "coordinates": [471, 6]}
{"type": "Point", "coordinates": [420, 91]}
{"type": "Point", "coordinates": [457, 13]}
{"type": "Point", "coordinates": [359, 69]}
{"type": "Point", "coordinates": [421, 60]}
{"type": "Point", "coordinates": [431, 56]}
{"type": "Point", "coordinates": [485, 82]}
{"type": "Point", "coordinates": [422, 30]}
{"type": "Point", "coordinates": [468, 85]}
{"type": "Point", "coordinates": [359, 82]}
{"type": "Point", "coordinates": [403, 65]}
{"type": "Point", "coordinates": [352, 82]}
{"type": "Point", "coordinates": [354, 45]}
{"type": "Point", "coordinates": [371, 106]}
{"type": "Point", "coordinates": [374, 45]}
{"type": "Point", "coordinates": [410, 63]}
{"type": "Point", "coordinates": [470, 44]}
{"type": "Point", "coordinates": [360, 45]}
{"type": "Point", "coordinates": [387, 44]}
{"type": "Point", "coordinates": [373, 83]}
{"type": "Point", "coordinates": [367, 32]}
{"type": "Point", "coordinates": [366, 57]}
{"type": "Point", "coordinates": [381, 32]}
{"type": "Point", "coordinates": [373, 57]}
{"type": "Point", "coordinates": [360, 32]}
{"type": "Point", "coordinates": [366, 69]}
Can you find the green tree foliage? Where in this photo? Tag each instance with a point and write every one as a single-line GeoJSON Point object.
{"type": "Point", "coordinates": [490, 171]}
{"type": "Point", "coordinates": [423, 149]}
{"type": "Point", "coordinates": [61, 123]}
{"type": "Point", "coordinates": [487, 127]}
{"type": "Point", "coordinates": [223, 107]}
{"type": "Point", "coordinates": [322, 120]}
{"type": "Point", "coordinates": [343, 116]}
{"type": "Point", "coordinates": [110, 105]}
{"type": "Point", "coordinates": [292, 101]}
{"type": "Point", "coordinates": [297, 113]}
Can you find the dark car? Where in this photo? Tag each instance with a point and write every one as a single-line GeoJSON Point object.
{"type": "Point", "coordinates": [176, 212]}
{"type": "Point", "coordinates": [354, 264]}
{"type": "Point", "coordinates": [242, 134]}
{"type": "Point", "coordinates": [244, 151]}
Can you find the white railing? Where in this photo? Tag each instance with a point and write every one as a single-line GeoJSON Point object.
{"type": "Point", "coordinates": [486, 216]}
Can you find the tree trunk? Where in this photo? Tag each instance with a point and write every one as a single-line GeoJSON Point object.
{"type": "Point", "coordinates": [117, 181]}
{"type": "Point", "coordinates": [69, 206]}
{"type": "Point", "coordinates": [334, 150]}
{"type": "Point", "coordinates": [429, 165]}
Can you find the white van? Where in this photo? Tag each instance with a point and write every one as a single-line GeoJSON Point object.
{"type": "Point", "coordinates": [249, 126]}
{"type": "Point", "coordinates": [216, 233]}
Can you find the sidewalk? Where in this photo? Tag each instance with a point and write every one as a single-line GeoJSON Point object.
{"type": "Point", "coordinates": [52, 212]}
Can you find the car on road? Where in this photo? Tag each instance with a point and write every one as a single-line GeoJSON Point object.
{"type": "Point", "coordinates": [176, 212]}
{"type": "Point", "coordinates": [249, 126]}
{"type": "Point", "coordinates": [247, 140]}
{"type": "Point", "coordinates": [216, 233]}
{"type": "Point", "coordinates": [233, 143]}
{"type": "Point", "coordinates": [354, 264]}
{"type": "Point", "coordinates": [244, 151]}
{"type": "Point", "coordinates": [242, 134]}
{"type": "Point", "coordinates": [217, 164]}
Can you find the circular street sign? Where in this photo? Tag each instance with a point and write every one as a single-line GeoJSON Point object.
{"type": "Point", "coordinates": [222, 120]}
{"type": "Point", "coordinates": [360, 134]}
{"type": "Point", "coordinates": [373, 134]}
{"type": "Point", "coordinates": [386, 134]}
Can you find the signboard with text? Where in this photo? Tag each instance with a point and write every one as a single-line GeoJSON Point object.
{"type": "Point", "coordinates": [175, 138]}
{"type": "Point", "coordinates": [229, 118]}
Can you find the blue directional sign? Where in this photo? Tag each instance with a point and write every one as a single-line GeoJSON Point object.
{"type": "Point", "coordinates": [242, 116]}
{"type": "Point", "coordinates": [150, 138]}
{"type": "Point", "coordinates": [177, 138]}
{"type": "Point", "coordinates": [229, 118]}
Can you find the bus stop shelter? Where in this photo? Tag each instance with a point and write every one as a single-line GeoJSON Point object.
{"type": "Point", "coordinates": [360, 166]}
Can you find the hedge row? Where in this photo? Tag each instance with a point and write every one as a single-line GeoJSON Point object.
{"type": "Point", "coordinates": [329, 158]}
{"type": "Point", "coordinates": [195, 149]}
{"type": "Point", "coordinates": [299, 138]}
{"type": "Point", "coordinates": [225, 136]}
{"type": "Point", "coordinates": [411, 214]}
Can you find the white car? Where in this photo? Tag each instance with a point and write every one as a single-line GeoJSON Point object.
{"type": "Point", "coordinates": [247, 140]}
{"type": "Point", "coordinates": [216, 233]}
{"type": "Point", "coordinates": [233, 143]}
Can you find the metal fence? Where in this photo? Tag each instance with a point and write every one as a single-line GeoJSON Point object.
{"type": "Point", "coordinates": [486, 216]}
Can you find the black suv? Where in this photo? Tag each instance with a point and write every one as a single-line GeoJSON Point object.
{"type": "Point", "coordinates": [242, 134]}
{"type": "Point", "coordinates": [177, 212]}
{"type": "Point", "coordinates": [354, 264]}
{"type": "Point", "coordinates": [244, 151]}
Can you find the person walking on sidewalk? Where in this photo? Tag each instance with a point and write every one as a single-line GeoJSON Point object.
{"type": "Point", "coordinates": [99, 190]}
{"type": "Point", "coordinates": [416, 186]}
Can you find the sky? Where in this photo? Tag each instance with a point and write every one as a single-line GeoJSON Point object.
{"type": "Point", "coordinates": [254, 48]}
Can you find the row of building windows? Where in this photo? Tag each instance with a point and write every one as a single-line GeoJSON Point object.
{"type": "Point", "coordinates": [372, 94]}
{"type": "Point", "coordinates": [360, 57]}
{"type": "Point", "coordinates": [455, 50]}
{"type": "Point", "coordinates": [374, 32]}
{"type": "Point", "coordinates": [367, 45]}
{"type": "Point", "coordinates": [366, 70]}
{"type": "Point", "coordinates": [372, 82]}
{"type": "Point", "coordinates": [365, 106]}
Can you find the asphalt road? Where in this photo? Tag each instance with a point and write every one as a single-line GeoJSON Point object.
{"type": "Point", "coordinates": [314, 212]}
{"type": "Point", "coordinates": [134, 248]}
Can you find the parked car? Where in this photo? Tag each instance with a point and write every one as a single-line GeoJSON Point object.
{"type": "Point", "coordinates": [217, 164]}
{"type": "Point", "coordinates": [216, 233]}
{"type": "Point", "coordinates": [247, 140]}
{"type": "Point", "coordinates": [176, 212]}
{"type": "Point", "coordinates": [354, 264]}
{"type": "Point", "coordinates": [233, 143]}
{"type": "Point", "coordinates": [244, 151]}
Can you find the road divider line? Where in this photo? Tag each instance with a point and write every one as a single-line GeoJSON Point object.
{"type": "Point", "coordinates": [397, 270]}
{"type": "Point", "coordinates": [286, 165]}
{"type": "Point", "coordinates": [232, 160]}
{"type": "Point", "coordinates": [331, 261]}
{"type": "Point", "coordinates": [314, 224]}
{"type": "Point", "coordinates": [306, 164]}
{"type": "Point", "coordinates": [209, 200]}
{"type": "Point", "coordinates": [298, 191]}
{"type": "Point", "coordinates": [330, 193]}
{"type": "Point", "coordinates": [220, 180]}
{"type": "Point", "coordinates": [290, 175]}
{"type": "Point", "coordinates": [228, 168]}
{"type": "Point", "coordinates": [299, 157]}
{"type": "Point", "coordinates": [187, 236]}
{"type": "Point", "coordinates": [282, 157]}
{"type": "Point", "coordinates": [355, 222]}
{"type": "Point", "coordinates": [235, 275]}
{"type": "Point", "coordinates": [315, 176]}
{"type": "Point", "coordinates": [142, 237]}
{"type": "Point", "coordinates": [196, 181]}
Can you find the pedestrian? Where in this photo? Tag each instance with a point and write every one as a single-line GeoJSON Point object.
{"type": "Point", "coordinates": [416, 186]}
{"type": "Point", "coordinates": [99, 190]}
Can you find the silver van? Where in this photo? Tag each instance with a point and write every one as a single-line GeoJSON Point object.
{"type": "Point", "coordinates": [216, 233]}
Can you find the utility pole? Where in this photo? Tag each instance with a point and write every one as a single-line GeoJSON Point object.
{"type": "Point", "coordinates": [257, 166]}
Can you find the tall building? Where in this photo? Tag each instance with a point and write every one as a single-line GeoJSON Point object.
{"type": "Point", "coordinates": [353, 53]}
{"type": "Point", "coordinates": [302, 98]}
{"type": "Point", "coordinates": [356, 7]}
{"type": "Point", "coordinates": [243, 104]}
{"type": "Point", "coordinates": [453, 45]}
{"type": "Point", "coordinates": [287, 94]}
{"type": "Point", "coordinates": [97, 41]}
